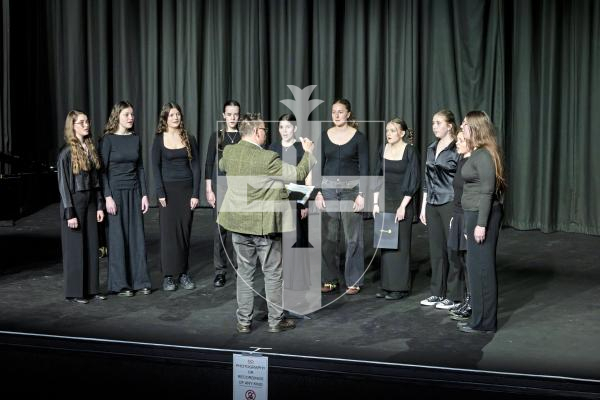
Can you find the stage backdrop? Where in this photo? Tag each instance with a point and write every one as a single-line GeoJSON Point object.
{"type": "Point", "coordinates": [532, 65]}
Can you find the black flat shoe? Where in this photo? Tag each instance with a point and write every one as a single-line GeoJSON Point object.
{"type": "Point", "coordinates": [99, 297]}
{"type": "Point", "coordinates": [396, 295]}
{"type": "Point", "coordinates": [126, 293]}
{"type": "Point", "coordinates": [219, 280]}
{"type": "Point", "coordinates": [79, 300]}
{"type": "Point", "coordinates": [381, 295]}
{"type": "Point", "coordinates": [468, 329]}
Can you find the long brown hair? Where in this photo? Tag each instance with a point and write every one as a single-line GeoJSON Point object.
{"type": "Point", "coordinates": [162, 125]}
{"type": "Point", "coordinates": [79, 159]}
{"type": "Point", "coordinates": [112, 124]}
{"type": "Point", "coordinates": [483, 134]}
{"type": "Point", "coordinates": [346, 103]}
{"type": "Point", "coordinates": [410, 133]}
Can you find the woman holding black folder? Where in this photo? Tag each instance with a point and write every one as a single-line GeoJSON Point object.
{"type": "Point", "coordinates": [399, 167]}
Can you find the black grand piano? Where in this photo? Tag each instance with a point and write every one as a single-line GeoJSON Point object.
{"type": "Point", "coordinates": [25, 187]}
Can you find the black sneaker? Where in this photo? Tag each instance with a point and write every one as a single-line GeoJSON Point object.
{"type": "Point", "coordinates": [463, 316]}
{"type": "Point", "coordinates": [457, 306]}
{"type": "Point", "coordinates": [185, 282]}
{"type": "Point", "coordinates": [145, 291]}
{"type": "Point", "coordinates": [445, 304]}
{"type": "Point", "coordinates": [431, 301]}
{"type": "Point", "coordinates": [169, 284]}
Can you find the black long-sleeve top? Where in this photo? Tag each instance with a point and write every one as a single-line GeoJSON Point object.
{"type": "Point", "coordinates": [214, 153]}
{"type": "Point", "coordinates": [402, 177]}
{"type": "Point", "coordinates": [291, 155]}
{"type": "Point", "coordinates": [439, 174]}
{"type": "Point", "coordinates": [169, 165]}
{"type": "Point", "coordinates": [479, 192]}
{"type": "Point", "coordinates": [349, 160]}
{"type": "Point", "coordinates": [68, 183]}
{"type": "Point", "coordinates": [123, 164]}
{"type": "Point", "coordinates": [457, 184]}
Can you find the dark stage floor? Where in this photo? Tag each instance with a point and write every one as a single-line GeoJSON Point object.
{"type": "Point", "coordinates": [549, 315]}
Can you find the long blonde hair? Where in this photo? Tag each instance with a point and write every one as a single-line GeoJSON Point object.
{"type": "Point", "coordinates": [162, 125]}
{"type": "Point", "coordinates": [79, 159]}
{"type": "Point", "coordinates": [483, 135]}
{"type": "Point", "coordinates": [112, 124]}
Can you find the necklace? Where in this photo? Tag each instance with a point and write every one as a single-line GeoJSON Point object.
{"type": "Point", "coordinates": [286, 148]}
{"type": "Point", "coordinates": [231, 139]}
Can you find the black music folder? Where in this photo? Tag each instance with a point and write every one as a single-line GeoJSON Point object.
{"type": "Point", "coordinates": [385, 231]}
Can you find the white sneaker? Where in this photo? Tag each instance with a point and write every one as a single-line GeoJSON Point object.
{"type": "Point", "coordinates": [431, 301]}
{"type": "Point", "coordinates": [445, 304]}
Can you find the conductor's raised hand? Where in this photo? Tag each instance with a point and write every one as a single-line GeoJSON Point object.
{"type": "Point", "coordinates": [307, 144]}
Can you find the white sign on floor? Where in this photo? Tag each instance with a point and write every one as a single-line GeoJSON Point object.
{"type": "Point", "coordinates": [250, 377]}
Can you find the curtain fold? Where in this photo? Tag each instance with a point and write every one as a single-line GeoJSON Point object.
{"type": "Point", "coordinates": [531, 64]}
{"type": "Point", "coordinates": [5, 142]}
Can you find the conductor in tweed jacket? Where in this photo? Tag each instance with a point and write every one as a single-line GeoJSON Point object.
{"type": "Point", "coordinates": [256, 210]}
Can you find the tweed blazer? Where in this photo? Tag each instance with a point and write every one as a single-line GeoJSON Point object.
{"type": "Point", "coordinates": [256, 201]}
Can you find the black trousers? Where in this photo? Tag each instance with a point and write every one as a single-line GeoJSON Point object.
{"type": "Point", "coordinates": [80, 248]}
{"type": "Point", "coordinates": [220, 258]}
{"type": "Point", "coordinates": [175, 228]}
{"type": "Point", "coordinates": [395, 264]}
{"type": "Point", "coordinates": [446, 280]}
{"type": "Point", "coordinates": [127, 267]}
{"type": "Point", "coordinates": [481, 264]}
{"type": "Point", "coordinates": [338, 220]}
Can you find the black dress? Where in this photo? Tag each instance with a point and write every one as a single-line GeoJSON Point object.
{"type": "Point", "coordinates": [125, 181]}
{"type": "Point", "coordinates": [219, 187]}
{"type": "Point", "coordinates": [177, 179]}
{"type": "Point", "coordinates": [296, 268]}
{"type": "Point", "coordinates": [401, 179]}
{"type": "Point", "coordinates": [80, 198]}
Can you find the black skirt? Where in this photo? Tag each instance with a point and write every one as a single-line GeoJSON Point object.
{"type": "Point", "coordinates": [175, 228]}
{"type": "Point", "coordinates": [456, 234]}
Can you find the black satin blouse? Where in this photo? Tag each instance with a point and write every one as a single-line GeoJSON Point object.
{"type": "Point", "coordinates": [439, 174]}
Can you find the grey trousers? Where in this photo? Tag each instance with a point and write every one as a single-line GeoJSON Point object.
{"type": "Point", "coordinates": [249, 249]}
{"type": "Point", "coordinates": [339, 221]}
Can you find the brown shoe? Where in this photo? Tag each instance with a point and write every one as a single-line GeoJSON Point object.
{"type": "Point", "coordinates": [283, 325]}
{"type": "Point", "coordinates": [243, 328]}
